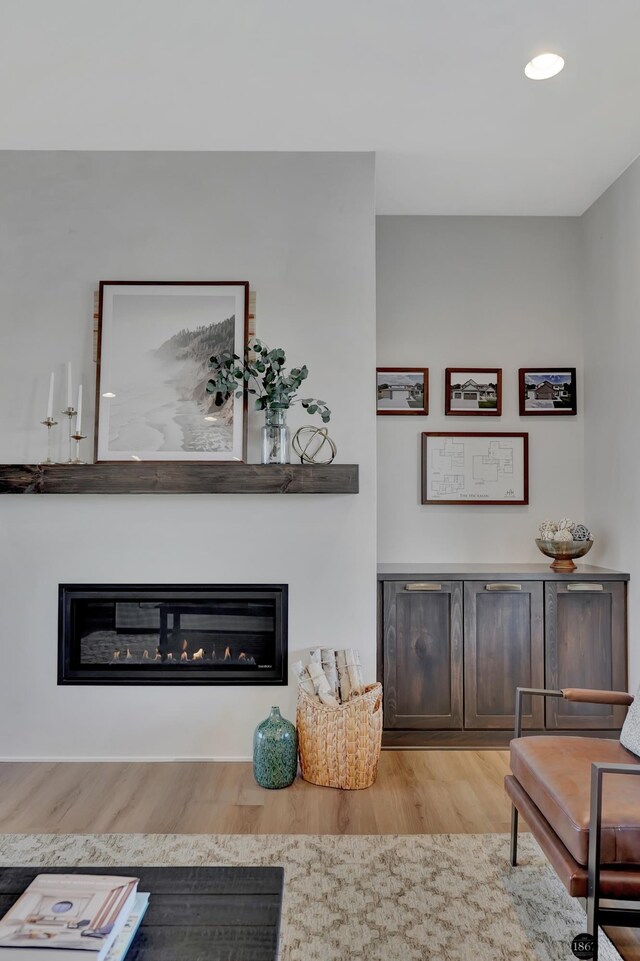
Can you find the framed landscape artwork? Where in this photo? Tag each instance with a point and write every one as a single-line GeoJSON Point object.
{"type": "Point", "coordinates": [473, 391]}
{"type": "Point", "coordinates": [402, 390]}
{"type": "Point", "coordinates": [548, 390]}
{"type": "Point", "coordinates": [459, 468]}
{"type": "Point", "coordinates": [154, 345]}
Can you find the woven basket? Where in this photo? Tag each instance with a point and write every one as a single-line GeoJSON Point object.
{"type": "Point", "coordinates": [340, 747]}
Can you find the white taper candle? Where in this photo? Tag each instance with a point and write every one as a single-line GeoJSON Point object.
{"type": "Point", "coordinates": [79, 409]}
{"type": "Point", "coordinates": [50, 404]}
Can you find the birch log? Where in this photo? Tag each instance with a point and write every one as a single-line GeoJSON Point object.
{"type": "Point", "coordinates": [321, 685]}
{"type": "Point", "coordinates": [331, 670]}
{"type": "Point", "coordinates": [349, 674]}
{"type": "Point", "coordinates": [304, 680]}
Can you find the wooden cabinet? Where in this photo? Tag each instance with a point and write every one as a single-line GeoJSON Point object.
{"type": "Point", "coordinates": [585, 647]}
{"type": "Point", "coordinates": [423, 655]}
{"type": "Point", "coordinates": [503, 649]}
{"type": "Point", "coordinates": [455, 643]}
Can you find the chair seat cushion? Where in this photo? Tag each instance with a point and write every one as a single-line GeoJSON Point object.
{"type": "Point", "coordinates": [555, 772]}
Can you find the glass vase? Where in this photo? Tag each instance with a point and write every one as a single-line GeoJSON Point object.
{"type": "Point", "coordinates": [275, 438]}
{"type": "Point", "coordinates": [275, 751]}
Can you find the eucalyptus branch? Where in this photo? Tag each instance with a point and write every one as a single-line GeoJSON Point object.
{"type": "Point", "coordinates": [274, 388]}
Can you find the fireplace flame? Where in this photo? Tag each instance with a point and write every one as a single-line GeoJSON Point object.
{"type": "Point", "coordinates": [199, 655]}
{"type": "Point", "coordinates": [185, 644]}
{"type": "Point", "coordinates": [158, 656]}
{"type": "Point", "coordinates": [184, 656]}
{"type": "Point", "coordinates": [129, 655]}
{"type": "Point", "coordinates": [145, 656]}
{"type": "Point", "coordinates": [116, 655]}
{"type": "Point", "coordinates": [169, 657]}
{"type": "Point", "coordinates": [227, 654]}
{"type": "Point", "coordinates": [242, 657]}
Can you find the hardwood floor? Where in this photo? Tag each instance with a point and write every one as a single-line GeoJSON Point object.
{"type": "Point", "coordinates": [417, 792]}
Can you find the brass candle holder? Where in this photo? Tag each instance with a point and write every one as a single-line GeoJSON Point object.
{"type": "Point", "coordinates": [76, 438]}
{"type": "Point", "coordinates": [49, 422]}
{"type": "Point", "coordinates": [70, 412]}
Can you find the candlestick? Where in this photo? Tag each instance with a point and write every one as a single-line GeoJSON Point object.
{"type": "Point", "coordinates": [70, 413]}
{"type": "Point", "coordinates": [69, 400]}
{"type": "Point", "coordinates": [49, 422]}
{"type": "Point", "coordinates": [79, 417]}
{"type": "Point", "coordinates": [50, 404]}
{"type": "Point", "coordinates": [77, 437]}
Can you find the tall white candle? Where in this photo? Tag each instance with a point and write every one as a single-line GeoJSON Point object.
{"type": "Point", "coordinates": [50, 404]}
{"type": "Point", "coordinates": [69, 400]}
{"type": "Point", "coordinates": [79, 409]}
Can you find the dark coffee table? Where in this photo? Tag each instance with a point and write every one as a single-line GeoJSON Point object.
{"type": "Point", "coordinates": [195, 914]}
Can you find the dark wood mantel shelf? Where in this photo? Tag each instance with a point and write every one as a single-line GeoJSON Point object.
{"type": "Point", "coordinates": [181, 478]}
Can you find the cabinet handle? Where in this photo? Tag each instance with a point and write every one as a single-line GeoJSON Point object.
{"type": "Point", "coordinates": [585, 587]}
{"type": "Point", "coordinates": [502, 586]}
{"type": "Point", "coordinates": [422, 586]}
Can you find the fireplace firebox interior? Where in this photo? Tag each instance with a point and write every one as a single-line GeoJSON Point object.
{"type": "Point", "coordinates": [163, 634]}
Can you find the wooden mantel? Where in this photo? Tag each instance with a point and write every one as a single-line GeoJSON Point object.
{"type": "Point", "coordinates": [178, 478]}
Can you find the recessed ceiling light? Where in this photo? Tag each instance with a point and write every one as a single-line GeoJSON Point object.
{"type": "Point", "coordinates": [109, 394]}
{"type": "Point", "coordinates": [544, 67]}
{"type": "Point", "coordinates": [210, 417]}
{"type": "Point", "coordinates": [135, 457]}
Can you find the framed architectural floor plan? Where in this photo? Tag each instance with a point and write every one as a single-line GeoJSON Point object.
{"type": "Point", "coordinates": [154, 345]}
{"type": "Point", "coordinates": [476, 468]}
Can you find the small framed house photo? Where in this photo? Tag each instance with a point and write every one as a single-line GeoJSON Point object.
{"type": "Point", "coordinates": [473, 391]}
{"type": "Point", "coordinates": [154, 345]}
{"type": "Point", "coordinates": [402, 390]}
{"type": "Point", "coordinates": [548, 390]}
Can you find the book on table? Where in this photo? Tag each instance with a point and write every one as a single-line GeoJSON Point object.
{"type": "Point", "coordinates": [77, 915]}
{"type": "Point", "coordinates": [122, 943]}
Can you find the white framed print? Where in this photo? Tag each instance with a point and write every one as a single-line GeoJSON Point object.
{"type": "Point", "coordinates": [154, 344]}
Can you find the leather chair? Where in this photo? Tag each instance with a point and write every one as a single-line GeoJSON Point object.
{"type": "Point", "coordinates": [590, 837]}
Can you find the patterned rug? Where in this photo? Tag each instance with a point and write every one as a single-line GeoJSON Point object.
{"type": "Point", "coordinates": [447, 897]}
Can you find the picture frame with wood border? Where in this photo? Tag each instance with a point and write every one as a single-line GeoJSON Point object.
{"type": "Point", "coordinates": [560, 395]}
{"type": "Point", "coordinates": [516, 486]}
{"type": "Point", "coordinates": [173, 324]}
{"type": "Point", "coordinates": [404, 392]}
{"type": "Point", "coordinates": [483, 404]}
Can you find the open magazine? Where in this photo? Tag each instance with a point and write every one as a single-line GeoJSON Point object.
{"type": "Point", "coordinates": [68, 912]}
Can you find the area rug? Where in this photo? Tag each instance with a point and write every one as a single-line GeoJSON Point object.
{"type": "Point", "coordinates": [443, 897]}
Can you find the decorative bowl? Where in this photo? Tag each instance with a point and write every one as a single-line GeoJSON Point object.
{"type": "Point", "coordinates": [564, 553]}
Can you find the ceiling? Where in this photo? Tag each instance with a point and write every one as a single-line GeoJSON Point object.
{"type": "Point", "coordinates": [434, 87]}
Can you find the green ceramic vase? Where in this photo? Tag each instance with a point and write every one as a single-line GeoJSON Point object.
{"type": "Point", "coordinates": [275, 751]}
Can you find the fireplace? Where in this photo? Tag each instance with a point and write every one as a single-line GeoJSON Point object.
{"type": "Point", "coordinates": [167, 634]}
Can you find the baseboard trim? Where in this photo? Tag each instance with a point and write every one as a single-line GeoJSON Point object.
{"type": "Point", "coordinates": [469, 740]}
{"type": "Point", "coordinates": [119, 760]}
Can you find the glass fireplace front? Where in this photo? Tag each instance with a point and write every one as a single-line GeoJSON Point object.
{"type": "Point", "coordinates": [165, 634]}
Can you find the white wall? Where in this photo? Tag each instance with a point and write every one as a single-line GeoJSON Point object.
{"type": "Point", "coordinates": [485, 291]}
{"type": "Point", "coordinates": [300, 228]}
{"type": "Point", "coordinates": [611, 237]}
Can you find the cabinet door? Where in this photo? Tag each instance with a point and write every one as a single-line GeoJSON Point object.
{"type": "Point", "coordinates": [586, 647]}
{"type": "Point", "coordinates": [503, 649]}
{"type": "Point", "coordinates": [422, 655]}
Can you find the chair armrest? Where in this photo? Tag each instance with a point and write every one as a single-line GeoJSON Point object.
{"type": "Point", "coordinates": [588, 696]}
{"type": "Point", "coordinates": [598, 770]}
{"type": "Point", "coordinates": [520, 693]}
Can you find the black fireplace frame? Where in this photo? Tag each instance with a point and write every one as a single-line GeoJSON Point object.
{"type": "Point", "coordinates": [123, 674]}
